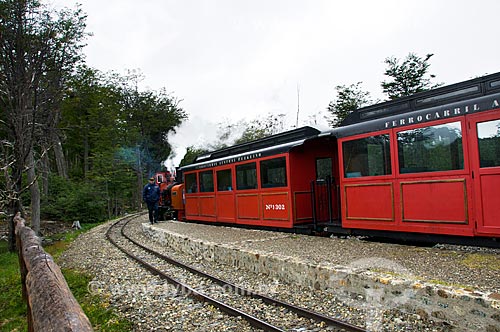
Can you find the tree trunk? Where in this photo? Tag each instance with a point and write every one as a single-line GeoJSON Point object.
{"type": "Point", "coordinates": [35, 193]}
{"type": "Point", "coordinates": [60, 159]}
{"type": "Point", "coordinates": [44, 172]}
{"type": "Point", "coordinates": [140, 179]}
{"type": "Point", "coordinates": [14, 206]}
{"type": "Point", "coordinates": [85, 156]}
{"type": "Point", "coordinates": [140, 185]}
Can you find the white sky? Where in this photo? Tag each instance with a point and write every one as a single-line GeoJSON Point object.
{"type": "Point", "coordinates": [234, 59]}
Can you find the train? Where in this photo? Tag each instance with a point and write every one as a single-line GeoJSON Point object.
{"type": "Point", "coordinates": [419, 168]}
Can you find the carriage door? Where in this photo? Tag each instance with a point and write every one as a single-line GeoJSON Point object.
{"type": "Point", "coordinates": [484, 143]}
{"type": "Point", "coordinates": [325, 197]}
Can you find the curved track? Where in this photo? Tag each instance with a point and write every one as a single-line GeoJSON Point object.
{"type": "Point", "coordinates": [116, 235]}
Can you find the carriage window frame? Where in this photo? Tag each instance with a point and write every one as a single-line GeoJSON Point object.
{"type": "Point", "coordinates": [273, 173]}
{"type": "Point", "coordinates": [426, 154]}
{"type": "Point", "coordinates": [206, 181]}
{"type": "Point", "coordinates": [361, 157]}
{"type": "Point", "coordinates": [246, 176]}
{"type": "Point", "coordinates": [488, 143]}
{"type": "Point", "coordinates": [190, 180]}
{"type": "Point", "coordinates": [224, 179]}
{"type": "Point", "coordinates": [324, 168]}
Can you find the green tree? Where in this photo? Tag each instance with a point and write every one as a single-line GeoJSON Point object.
{"type": "Point", "coordinates": [38, 49]}
{"type": "Point", "coordinates": [149, 117]}
{"type": "Point", "coordinates": [116, 134]}
{"type": "Point", "coordinates": [95, 135]}
{"type": "Point", "coordinates": [348, 99]}
{"type": "Point", "coordinates": [191, 154]}
{"type": "Point", "coordinates": [407, 77]}
{"type": "Point", "coordinates": [260, 128]}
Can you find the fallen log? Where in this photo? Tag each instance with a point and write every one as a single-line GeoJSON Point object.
{"type": "Point", "coordinates": [51, 305]}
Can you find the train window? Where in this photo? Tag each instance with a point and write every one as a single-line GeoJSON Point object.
{"type": "Point", "coordinates": [431, 149]}
{"type": "Point", "coordinates": [246, 176]}
{"type": "Point", "coordinates": [190, 180]}
{"type": "Point", "coordinates": [323, 168]}
{"type": "Point", "coordinates": [495, 84]}
{"type": "Point", "coordinates": [488, 136]}
{"type": "Point", "coordinates": [369, 156]}
{"type": "Point", "coordinates": [224, 180]}
{"type": "Point", "coordinates": [206, 181]}
{"type": "Point", "coordinates": [273, 173]}
{"type": "Point", "coordinates": [455, 93]}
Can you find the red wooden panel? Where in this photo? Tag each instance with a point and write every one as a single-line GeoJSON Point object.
{"type": "Point", "coordinates": [225, 207]}
{"type": "Point", "coordinates": [192, 206]}
{"type": "Point", "coordinates": [434, 201]}
{"type": "Point", "coordinates": [490, 195]}
{"type": "Point", "coordinates": [207, 206]}
{"type": "Point", "coordinates": [303, 206]}
{"type": "Point", "coordinates": [276, 206]}
{"type": "Point", "coordinates": [248, 206]}
{"type": "Point", "coordinates": [369, 201]}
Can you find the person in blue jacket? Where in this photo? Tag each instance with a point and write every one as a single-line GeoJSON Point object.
{"type": "Point", "coordinates": [151, 196]}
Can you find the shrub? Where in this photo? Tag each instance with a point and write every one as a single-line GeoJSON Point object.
{"type": "Point", "coordinates": [70, 200]}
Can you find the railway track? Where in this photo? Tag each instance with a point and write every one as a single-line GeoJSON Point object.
{"type": "Point", "coordinates": [260, 311]}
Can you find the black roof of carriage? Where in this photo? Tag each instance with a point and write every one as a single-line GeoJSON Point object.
{"type": "Point", "coordinates": [266, 146]}
{"type": "Point", "coordinates": [451, 93]}
{"type": "Point", "coordinates": [475, 95]}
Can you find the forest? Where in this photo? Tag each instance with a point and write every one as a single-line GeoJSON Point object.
{"type": "Point", "coordinates": [76, 143]}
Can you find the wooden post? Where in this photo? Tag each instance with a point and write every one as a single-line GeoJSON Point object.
{"type": "Point", "coordinates": [51, 305]}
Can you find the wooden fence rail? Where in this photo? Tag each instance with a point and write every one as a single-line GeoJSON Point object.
{"type": "Point", "coordinates": [51, 305]}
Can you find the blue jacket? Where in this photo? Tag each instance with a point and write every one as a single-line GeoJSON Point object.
{"type": "Point", "coordinates": [151, 193]}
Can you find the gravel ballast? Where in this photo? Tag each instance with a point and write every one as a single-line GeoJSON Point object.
{"type": "Point", "coordinates": [154, 306]}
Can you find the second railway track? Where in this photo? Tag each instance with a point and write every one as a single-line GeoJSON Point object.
{"type": "Point", "coordinates": [258, 310]}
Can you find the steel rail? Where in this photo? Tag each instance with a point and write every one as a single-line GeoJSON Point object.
{"type": "Point", "coordinates": [245, 292]}
{"type": "Point", "coordinates": [186, 290]}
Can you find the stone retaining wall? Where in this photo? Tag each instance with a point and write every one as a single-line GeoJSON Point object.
{"type": "Point", "coordinates": [463, 308]}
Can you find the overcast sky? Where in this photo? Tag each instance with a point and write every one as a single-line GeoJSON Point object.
{"type": "Point", "coordinates": [234, 59]}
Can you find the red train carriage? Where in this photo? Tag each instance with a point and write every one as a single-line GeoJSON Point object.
{"type": "Point", "coordinates": [429, 163]}
{"type": "Point", "coordinates": [264, 183]}
{"type": "Point", "coordinates": [418, 167]}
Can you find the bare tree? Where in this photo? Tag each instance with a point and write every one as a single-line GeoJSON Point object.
{"type": "Point", "coordinates": [38, 48]}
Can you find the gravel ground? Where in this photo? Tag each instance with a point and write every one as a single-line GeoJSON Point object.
{"type": "Point", "coordinates": [154, 305]}
{"type": "Point", "coordinates": [442, 264]}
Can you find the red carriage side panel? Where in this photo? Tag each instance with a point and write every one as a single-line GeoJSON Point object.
{"type": "Point", "coordinates": [226, 209]}
{"type": "Point", "coordinates": [490, 203]}
{"type": "Point", "coordinates": [247, 207]}
{"type": "Point", "coordinates": [435, 201]}
{"type": "Point", "coordinates": [207, 207]}
{"type": "Point", "coordinates": [374, 201]}
{"type": "Point", "coordinates": [275, 206]}
{"type": "Point", "coordinates": [192, 206]}
{"type": "Point", "coordinates": [302, 206]}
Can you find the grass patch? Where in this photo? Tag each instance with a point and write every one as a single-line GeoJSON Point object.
{"type": "Point", "coordinates": [100, 315]}
{"type": "Point", "coordinates": [13, 309]}
{"type": "Point", "coordinates": [63, 240]}
{"type": "Point", "coordinates": [478, 260]}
